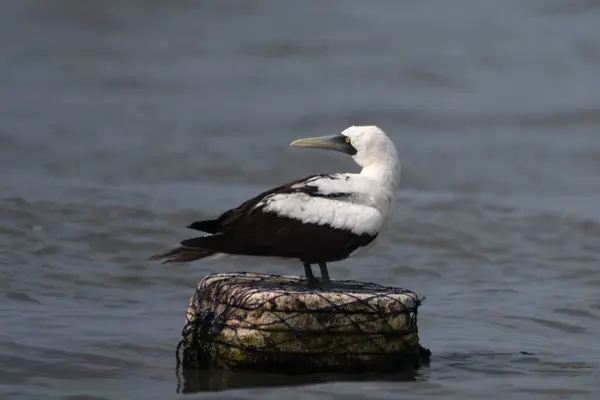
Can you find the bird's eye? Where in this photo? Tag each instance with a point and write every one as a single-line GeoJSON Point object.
{"type": "Point", "coordinates": [347, 140]}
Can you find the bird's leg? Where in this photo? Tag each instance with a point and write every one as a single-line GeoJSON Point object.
{"type": "Point", "coordinates": [325, 274]}
{"type": "Point", "coordinates": [309, 274]}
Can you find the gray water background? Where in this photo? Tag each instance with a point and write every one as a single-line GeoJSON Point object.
{"type": "Point", "coordinates": [122, 122]}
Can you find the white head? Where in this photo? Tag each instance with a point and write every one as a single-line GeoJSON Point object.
{"type": "Point", "coordinates": [372, 146]}
{"type": "Point", "coordinates": [369, 146]}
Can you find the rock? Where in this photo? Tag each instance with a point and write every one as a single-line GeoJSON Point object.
{"type": "Point", "coordinates": [274, 323]}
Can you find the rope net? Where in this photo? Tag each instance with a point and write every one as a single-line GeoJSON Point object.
{"type": "Point", "coordinates": [273, 323]}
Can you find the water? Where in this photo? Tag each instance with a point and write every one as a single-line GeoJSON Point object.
{"type": "Point", "coordinates": [123, 122]}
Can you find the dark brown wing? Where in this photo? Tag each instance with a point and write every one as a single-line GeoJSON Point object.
{"type": "Point", "coordinates": [257, 233]}
{"type": "Point", "coordinates": [229, 217]}
{"type": "Point", "coordinates": [249, 230]}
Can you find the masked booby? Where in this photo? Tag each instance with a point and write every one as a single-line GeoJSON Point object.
{"type": "Point", "coordinates": [316, 220]}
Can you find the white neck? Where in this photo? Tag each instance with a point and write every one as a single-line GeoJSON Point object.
{"type": "Point", "coordinates": [387, 173]}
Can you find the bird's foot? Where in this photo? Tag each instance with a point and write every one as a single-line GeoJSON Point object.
{"type": "Point", "coordinates": [313, 284]}
{"type": "Point", "coordinates": [316, 284]}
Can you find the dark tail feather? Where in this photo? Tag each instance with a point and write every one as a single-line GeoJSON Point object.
{"type": "Point", "coordinates": [208, 226]}
{"type": "Point", "coordinates": [182, 254]}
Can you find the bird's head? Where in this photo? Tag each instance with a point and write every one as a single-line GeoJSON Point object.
{"type": "Point", "coordinates": [368, 145]}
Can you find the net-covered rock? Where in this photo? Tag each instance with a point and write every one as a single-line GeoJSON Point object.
{"type": "Point", "coordinates": [274, 323]}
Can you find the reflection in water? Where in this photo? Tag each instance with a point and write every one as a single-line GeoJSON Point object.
{"type": "Point", "coordinates": [195, 380]}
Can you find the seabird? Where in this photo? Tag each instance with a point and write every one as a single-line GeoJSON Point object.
{"type": "Point", "coordinates": [316, 220]}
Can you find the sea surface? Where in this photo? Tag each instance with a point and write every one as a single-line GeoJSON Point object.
{"type": "Point", "coordinates": [122, 122]}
